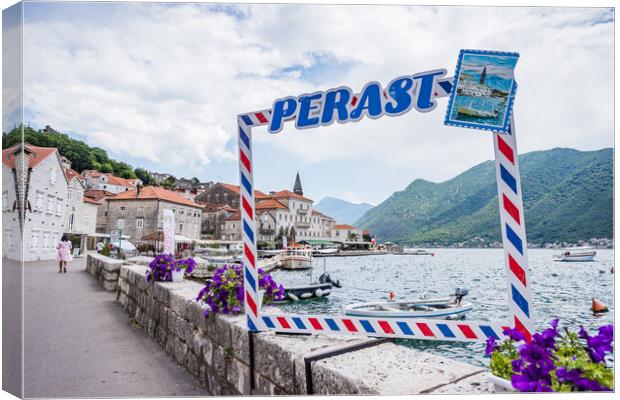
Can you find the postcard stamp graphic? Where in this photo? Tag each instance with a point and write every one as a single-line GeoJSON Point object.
{"type": "Point", "coordinates": [485, 90]}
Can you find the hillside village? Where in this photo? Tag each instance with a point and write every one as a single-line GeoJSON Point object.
{"type": "Point", "coordinates": [89, 205]}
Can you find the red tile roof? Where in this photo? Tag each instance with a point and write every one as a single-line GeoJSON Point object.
{"type": "Point", "coordinates": [344, 226]}
{"type": "Point", "coordinates": [118, 181]}
{"type": "Point", "coordinates": [98, 194]}
{"type": "Point", "coordinates": [315, 212]}
{"type": "Point", "coordinates": [235, 188]}
{"type": "Point", "coordinates": [89, 200]}
{"type": "Point", "coordinates": [270, 204]}
{"type": "Point", "coordinates": [70, 174]}
{"type": "Point", "coordinates": [234, 217]}
{"type": "Point", "coordinates": [154, 192]}
{"type": "Point", "coordinates": [287, 194]}
{"type": "Point", "coordinates": [35, 154]}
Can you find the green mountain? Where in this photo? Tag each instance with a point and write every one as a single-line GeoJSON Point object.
{"type": "Point", "coordinates": [568, 196]}
{"type": "Point", "coordinates": [342, 211]}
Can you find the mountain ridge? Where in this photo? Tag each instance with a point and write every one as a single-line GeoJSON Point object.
{"type": "Point", "coordinates": [342, 211]}
{"type": "Point", "coordinates": [567, 196]}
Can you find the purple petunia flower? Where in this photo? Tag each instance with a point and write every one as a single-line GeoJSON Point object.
{"type": "Point", "coordinates": [514, 334]}
{"type": "Point", "coordinates": [491, 346]}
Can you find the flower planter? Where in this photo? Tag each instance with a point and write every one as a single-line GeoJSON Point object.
{"type": "Point", "coordinates": [177, 276]}
{"type": "Point", "coordinates": [501, 385]}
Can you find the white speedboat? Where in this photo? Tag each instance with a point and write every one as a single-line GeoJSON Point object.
{"type": "Point", "coordinates": [449, 308]}
{"type": "Point", "coordinates": [417, 252]}
{"type": "Point", "coordinates": [297, 257]}
{"type": "Point", "coordinates": [327, 251]}
{"type": "Point", "coordinates": [579, 254]}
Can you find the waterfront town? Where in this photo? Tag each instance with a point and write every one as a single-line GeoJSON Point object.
{"type": "Point", "coordinates": [90, 205]}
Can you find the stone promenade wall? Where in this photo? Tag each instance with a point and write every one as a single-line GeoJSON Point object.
{"type": "Point", "coordinates": [217, 351]}
{"type": "Point", "coordinates": [105, 269]}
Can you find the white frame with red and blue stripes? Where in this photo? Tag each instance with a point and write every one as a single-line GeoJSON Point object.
{"type": "Point", "coordinates": [513, 236]}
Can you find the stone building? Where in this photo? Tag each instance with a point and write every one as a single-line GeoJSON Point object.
{"type": "Point", "coordinates": [224, 194]}
{"type": "Point", "coordinates": [34, 196]}
{"type": "Point", "coordinates": [213, 217]}
{"type": "Point", "coordinates": [100, 197]}
{"type": "Point", "coordinates": [81, 212]}
{"type": "Point", "coordinates": [96, 180]}
{"type": "Point", "coordinates": [278, 214]}
{"type": "Point", "coordinates": [347, 233]}
{"type": "Point", "coordinates": [139, 212]}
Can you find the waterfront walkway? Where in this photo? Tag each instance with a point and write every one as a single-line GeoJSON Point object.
{"type": "Point", "coordinates": [79, 342]}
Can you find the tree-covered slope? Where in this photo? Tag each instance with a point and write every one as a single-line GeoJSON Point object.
{"type": "Point", "coordinates": [568, 196]}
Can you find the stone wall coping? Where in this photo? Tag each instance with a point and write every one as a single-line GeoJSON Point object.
{"type": "Point", "coordinates": [383, 369]}
{"type": "Point", "coordinates": [107, 260]}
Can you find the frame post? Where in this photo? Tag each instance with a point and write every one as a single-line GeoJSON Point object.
{"type": "Point", "coordinates": [512, 224]}
{"type": "Point", "coordinates": [246, 202]}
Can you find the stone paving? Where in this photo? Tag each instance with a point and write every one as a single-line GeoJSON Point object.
{"type": "Point", "coordinates": [79, 343]}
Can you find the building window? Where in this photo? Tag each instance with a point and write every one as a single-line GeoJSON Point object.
{"type": "Point", "coordinates": [5, 200]}
{"type": "Point", "coordinates": [71, 220]}
{"type": "Point", "coordinates": [58, 207]}
{"type": "Point", "coordinates": [52, 175]}
{"type": "Point", "coordinates": [120, 224]}
{"type": "Point", "coordinates": [69, 193]}
{"type": "Point", "coordinates": [123, 208]}
{"type": "Point", "coordinates": [180, 227]}
{"type": "Point", "coordinates": [34, 241]}
{"type": "Point", "coordinates": [39, 201]}
{"type": "Point", "coordinates": [105, 186]}
{"type": "Point", "coordinates": [50, 204]}
{"type": "Point", "coordinates": [141, 207]}
{"type": "Point", "coordinates": [140, 223]}
{"type": "Point", "coordinates": [79, 193]}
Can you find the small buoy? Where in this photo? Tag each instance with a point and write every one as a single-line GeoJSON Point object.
{"type": "Point", "coordinates": [279, 264]}
{"type": "Point", "coordinates": [598, 307]}
{"type": "Point", "coordinates": [392, 296]}
{"type": "Point", "coordinates": [326, 292]}
{"type": "Point", "coordinates": [318, 292]}
{"type": "Point", "coordinates": [292, 297]}
{"type": "Point", "coordinates": [306, 295]}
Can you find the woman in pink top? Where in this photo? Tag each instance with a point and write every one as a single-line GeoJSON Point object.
{"type": "Point", "coordinates": [64, 253]}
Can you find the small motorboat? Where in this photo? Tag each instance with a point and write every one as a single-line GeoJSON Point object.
{"type": "Point", "coordinates": [449, 308]}
{"type": "Point", "coordinates": [297, 257]}
{"type": "Point", "coordinates": [417, 252]}
{"type": "Point", "coordinates": [579, 254]}
{"type": "Point", "coordinates": [325, 252]}
{"type": "Point", "coordinates": [312, 290]}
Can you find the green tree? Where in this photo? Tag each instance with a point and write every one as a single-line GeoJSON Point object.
{"type": "Point", "coordinates": [144, 176]}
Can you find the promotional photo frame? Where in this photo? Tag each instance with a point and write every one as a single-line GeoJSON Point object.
{"type": "Point", "coordinates": [420, 91]}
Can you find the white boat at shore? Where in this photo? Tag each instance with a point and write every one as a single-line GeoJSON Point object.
{"type": "Point", "coordinates": [297, 257]}
{"type": "Point", "coordinates": [576, 254]}
{"type": "Point", "coordinates": [449, 308]}
{"type": "Point", "coordinates": [417, 252]}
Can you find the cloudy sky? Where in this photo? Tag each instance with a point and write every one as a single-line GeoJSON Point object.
{"type": "Point", "coordinates": [160, 85]}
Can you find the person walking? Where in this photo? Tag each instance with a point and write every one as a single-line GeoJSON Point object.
{"type": "Point", "coordinates": [64, 253]}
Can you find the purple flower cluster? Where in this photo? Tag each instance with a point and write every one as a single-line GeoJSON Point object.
{"type": "Point", "coordinates": [225, 291]}
{"type": "Point", "coordinates": [160, 269]}
{"type": "Point", "coordinates": [600, 344]}
{"type": "Point", "coordinates": [540, 359]}
{"type": "Point", "coordinates": [533, 368]}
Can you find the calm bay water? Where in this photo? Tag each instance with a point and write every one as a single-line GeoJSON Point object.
{"type": "Point", "coordinates": [561, 289]}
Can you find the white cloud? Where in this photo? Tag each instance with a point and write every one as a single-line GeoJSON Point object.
{"type": "Point", "coordinates": [165, 82]}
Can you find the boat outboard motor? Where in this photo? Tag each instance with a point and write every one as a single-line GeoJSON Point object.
{"type": "Point", "coordinates": [325, 278]}
{"type": "Point", "coordinates": [459, 293]}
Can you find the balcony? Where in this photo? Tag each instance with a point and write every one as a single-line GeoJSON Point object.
{"type": "Point", "coordinates": [267, 231]}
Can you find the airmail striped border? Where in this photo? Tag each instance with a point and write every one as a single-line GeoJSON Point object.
{"type": "Point", "coordinates": [513, 236]}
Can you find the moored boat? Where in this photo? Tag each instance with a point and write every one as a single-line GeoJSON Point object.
{"type": "Point", "coordinates": [449, 308]}
{"type": "Point", "coordinates": [297, 257]}
{"type": "Point", "coordinates": [417, 252]}
{"type": "Point", "coordinates": [578, 254]}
